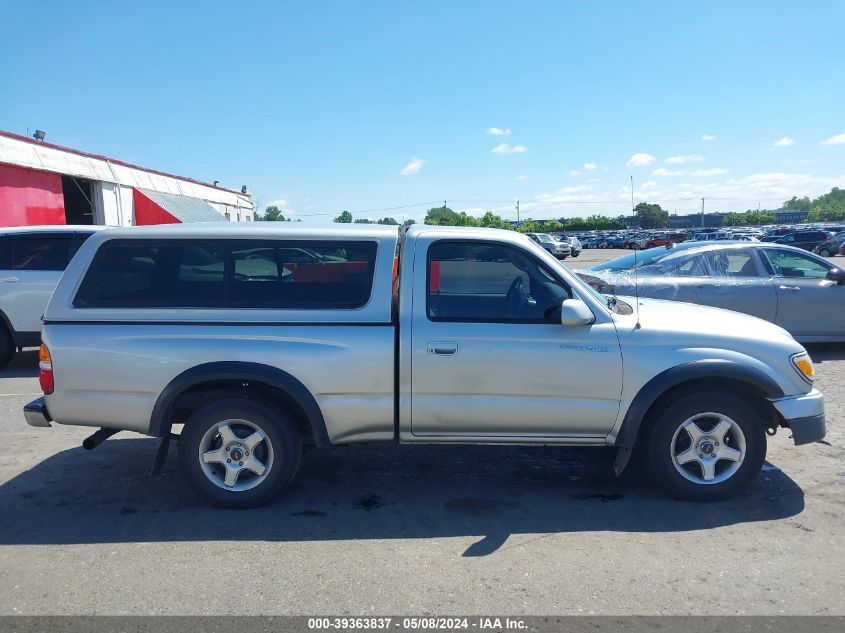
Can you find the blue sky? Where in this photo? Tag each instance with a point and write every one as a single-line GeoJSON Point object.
{"type": "Point", "coordinates": [325, 106]}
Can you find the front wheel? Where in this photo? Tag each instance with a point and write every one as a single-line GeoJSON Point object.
{"type": "Point", "coordinates": [824, 252]}
{"type": "Point", "coordinates": [239, 453]}
{"type": "Point", "coordinates": [706, 446]}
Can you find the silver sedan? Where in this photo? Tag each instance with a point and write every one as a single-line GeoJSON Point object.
{"type": "Point", "coordinates": [799, 291]}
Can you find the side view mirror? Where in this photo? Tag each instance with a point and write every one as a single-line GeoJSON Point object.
{"type": "Point", "coordinates": [575, 312]}
{"type": "Point", "coordinates": [837, 275]}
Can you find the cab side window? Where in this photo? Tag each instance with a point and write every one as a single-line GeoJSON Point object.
{"type": "Point", "coordinates": [488, 283]}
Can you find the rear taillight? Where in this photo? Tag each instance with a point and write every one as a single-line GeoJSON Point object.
{"type": "Point", "coordinates": [45, 370]}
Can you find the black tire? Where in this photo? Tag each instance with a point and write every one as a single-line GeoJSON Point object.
{"type": "Point", "coordinates": [280, 432]}
{"type": "Point", "coordinates": [576, 254]}
{"type": "Point", "coordinates": [658, 442]}
{"type": "Point", "coordinates": [824, 252]}
{"type": "Point", "coordinates": [7, 346]}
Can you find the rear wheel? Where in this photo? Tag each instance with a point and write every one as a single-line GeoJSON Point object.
{"type": "Point", "coordinates": [706, 446]}
{"type": "Point", "coordinates": [239, 453]}
{"type": "Point", "coordinates": [825, 252]}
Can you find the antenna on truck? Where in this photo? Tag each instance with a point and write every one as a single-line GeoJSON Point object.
{"type": "Point", "coordinates": [636, 248]}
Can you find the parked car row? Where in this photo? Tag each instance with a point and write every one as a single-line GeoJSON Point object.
{"type": "Point", "coordinates": [558, 244]}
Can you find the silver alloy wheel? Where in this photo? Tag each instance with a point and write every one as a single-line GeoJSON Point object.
{"type": "Point", "coordinates": [708, 448]}
{"type": "Point", "coordinates": [235, 455]}
{"type": "Point", "coordinates": [824, 252]}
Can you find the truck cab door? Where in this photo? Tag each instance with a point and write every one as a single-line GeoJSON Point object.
{"type": "Point", "coordinates": [490, 358]}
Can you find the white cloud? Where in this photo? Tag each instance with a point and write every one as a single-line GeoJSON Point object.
{"type": "Point", "coordinates": [769, 189]}
{"type": "Point", "coordinates": [680, 159]}
{"type": "Point", "coordinates": [282, 203]}
{"type": "Point", "coordinates": [708, 137]}
{"type": "Point", "coordinates": [574, 172]}
{"type": "Point", "coordinates": [640, 160]}
{"type": "Point", "coordinates": [521, 178]}
{"type": "Point", "coordinates": [546, 202]}
{"type": "Point", "coordinates": [649, 184]}
{"type": "Point", "coordinates": [504, 148]}
{"type": "Point", "coordinates": [413, 167]}
{"type": "Point", "coordinates": [784, 142]}
{"type": "Point", "coordinates": [662, 171]}
{"type": "Point", "coordinates": [837, 139]}
{"type": "Point", "coordinates": [714, 171]}
{"type": "Point", "coordinates": [589, 166]}
{"type": "Point", "coordinates": [498, 131]}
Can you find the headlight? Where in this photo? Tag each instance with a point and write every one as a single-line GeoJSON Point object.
{"type": "Point", "coordinates": [804, 366]}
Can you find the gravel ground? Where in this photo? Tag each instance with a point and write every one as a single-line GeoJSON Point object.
{"type": "Point", "coordinates": [411, 530]}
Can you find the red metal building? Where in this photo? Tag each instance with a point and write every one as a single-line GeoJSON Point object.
{"type": "Point", "coordinates": [42, 183]}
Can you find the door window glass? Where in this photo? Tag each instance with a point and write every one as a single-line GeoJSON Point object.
{"type": "Point", "coordinates": [731, 263]}
{"type": "Point", "coordinates": [788, 264]}
{"type": "Point", "coordinates": [477, 282]}
{"type": "Point", "coordinates": [40, 253]}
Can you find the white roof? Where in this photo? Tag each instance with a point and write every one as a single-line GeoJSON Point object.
{"type": "Point", "coordinates": [23, 152]}
{"type": "Point", "coordinates": [50, 228]}
{"type": "Point", "coordinates": [251, 230]}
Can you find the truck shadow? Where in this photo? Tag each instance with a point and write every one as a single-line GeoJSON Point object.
{"type": "Point", "coordinates": [367, 492]}
{"type": "Point", "coordinates": [23, 365]}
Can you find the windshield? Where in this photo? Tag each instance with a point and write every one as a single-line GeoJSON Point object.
{"type": "Point", "coordinates": [642, 258]}
{"type": "Point", "coordinates": [544, 238]}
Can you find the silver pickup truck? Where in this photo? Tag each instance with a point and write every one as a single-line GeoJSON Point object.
{"type": "Point", "coordinates": [246, 342]}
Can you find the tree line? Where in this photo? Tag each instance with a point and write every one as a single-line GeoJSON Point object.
{"type": "Point", "coordinates": [829, 207]}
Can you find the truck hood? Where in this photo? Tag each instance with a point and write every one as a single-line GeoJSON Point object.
{"type": "Point", "coordinates": [672, 333]}
{"type": "Point", "coordinates": [704, 324]}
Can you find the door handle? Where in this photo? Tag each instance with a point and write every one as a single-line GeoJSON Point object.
{"type": "Point", "coordinates": [442, 348]}
{"type": "Point", "coordinates": [789, 288]}
{"type": "Point", "coordinates": [9, 280]}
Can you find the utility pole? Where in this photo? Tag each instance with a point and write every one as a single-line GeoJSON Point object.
{"type": "Point", "coordinates": [702, 213]}
{"type": "Point", "coordinates": [517, 210]}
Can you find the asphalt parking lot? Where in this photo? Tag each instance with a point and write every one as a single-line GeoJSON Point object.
{"type": "Point", "coordinates": [412, 530]}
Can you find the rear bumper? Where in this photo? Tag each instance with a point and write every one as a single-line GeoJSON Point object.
{"type": "Point", "coordinates": [36, 413]}
{"type": "Point", "coordinates": [804, 415]}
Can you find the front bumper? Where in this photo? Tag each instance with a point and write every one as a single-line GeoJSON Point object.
{"type": "Point", "coordinates": [36, 413]}
{"type": "Point", "coordinates": [804, 415]}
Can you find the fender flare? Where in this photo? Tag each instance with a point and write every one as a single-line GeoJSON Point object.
{"type": "Point", "coordinates": [674, 376]}
{"type": "Point", "coordinates": [247, 372]}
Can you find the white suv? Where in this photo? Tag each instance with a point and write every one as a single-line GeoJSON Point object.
{"type": "Point", "coordinates": [32, 259]}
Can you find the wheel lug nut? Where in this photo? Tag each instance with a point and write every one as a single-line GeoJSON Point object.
{"type": "Point", "coordinates": [700, 456]}
{"type": "Point", "coordinates": [227, 449]}
{"type": "Point", "coordinates": [228, 461]}
{"type": "Point", "coordinates": [240, 463]}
